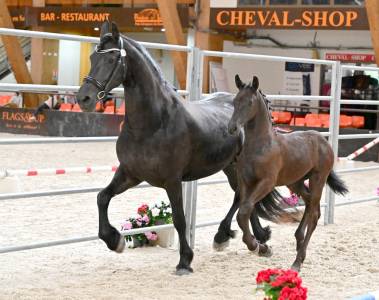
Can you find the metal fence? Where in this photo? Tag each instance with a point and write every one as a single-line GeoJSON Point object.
{"type": "Point", "coordinates": [193, 91]}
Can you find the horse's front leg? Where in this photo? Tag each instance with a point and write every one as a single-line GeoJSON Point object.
{"type": "Point", "coordinates": [249, 197]}
{"type": "Point", "coordinates": [121, 181]}
{"type": "Point", "coordinates": [174, 192]}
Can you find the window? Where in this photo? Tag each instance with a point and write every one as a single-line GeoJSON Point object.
{"type": "Point", "coordinates": [281, 2]}
{"type": "Point", "coordinates": [349, 2]}
{"type": "Point", "coordinates": [315, 2]}
{"type": "Point", "coordinates": [251, 2]}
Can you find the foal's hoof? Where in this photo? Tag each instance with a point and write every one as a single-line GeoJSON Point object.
{"type": "Point", "coordinates": [183, 271]}
{"type": "Point", "coordinates": [262, 250]}
{"type": "Point", "coordinates": [233, 233]}
{"type": "Point", "coordinates": [220, 246]}
{"type": "Point", "coordinates": [121, 245]}
{"type": "Point", "coordinates": [265, 253]}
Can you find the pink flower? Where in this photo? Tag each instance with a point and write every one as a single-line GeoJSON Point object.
{"type": "Point", "coordinates": [151, 236]}
{"type": "Point", "coordinates": [126, 225]}
{"type": "Point", "coordinates": [139, 223]}
{"type": "Point", "coordinates": [146, 219]}
{"type": "Point", "coordinates": [291, 200]}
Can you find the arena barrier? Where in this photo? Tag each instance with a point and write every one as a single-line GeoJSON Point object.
{"type": "Point", "coordinates": [193, 92]}
{"type": "Point", "coordinates": [61, 171]}
{"type": "Point", "coordinates": [369, 296]}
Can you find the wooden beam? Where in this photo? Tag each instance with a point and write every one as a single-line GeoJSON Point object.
{"type": "Point", "coordinates": [85, 64]}
{"type": "Point", "coordinates": [206, 41]}
{"type": "Point", "coordinates": [15, 55]}
{"type": "Point", "coordinates": [372, 8]}
{"type": "Point", "coordinates": [174, 34]}
{"type": "Point", "coordinates": [37, 51]}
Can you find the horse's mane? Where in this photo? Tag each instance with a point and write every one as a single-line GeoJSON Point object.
{"type": "Point", "coordinates": [154, 66]}
{"type": "Point", "coordinates": [268, 106]}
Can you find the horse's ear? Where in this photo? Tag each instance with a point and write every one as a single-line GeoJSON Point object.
{"type": "Point", "coordinates": [239, 83]}
{"type": "Point", "coordinates": [115, 32]}
{"type": "Point", "coordinates": [105, 30]}
{"type": "Point", "coordinates": [255, 83]}
{"type": "Point", "coordinates": [109, 29]}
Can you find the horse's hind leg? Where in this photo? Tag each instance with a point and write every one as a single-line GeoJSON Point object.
{"type": "Point", "coordinates": [310, 218]}
{"type": "Point", "coordinates": [224, 233]}
{"type": "Point", "coordinates": [120, 183]}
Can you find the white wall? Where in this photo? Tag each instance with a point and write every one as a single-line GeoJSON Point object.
{"type": "Point", "coordinates": [10, 77]}
{"type": "Point", "coordinates": [270, 74]}
{"type": "Point", "coordinates": [324, 38]}
{"type": "Point", "coordinates": [68, 63]}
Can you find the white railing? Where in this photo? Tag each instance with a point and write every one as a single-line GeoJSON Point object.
{"type": "Point", "coordinates": [196, 59]}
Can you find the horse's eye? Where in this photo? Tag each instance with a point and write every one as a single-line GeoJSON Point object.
{"type": "Point", "coordinates": [111, 60]}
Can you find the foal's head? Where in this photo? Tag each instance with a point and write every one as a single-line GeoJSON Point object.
{"type": "Point", "coordinates": [245, 104]}
{"type": "Point", "coordinates": [108, 68]}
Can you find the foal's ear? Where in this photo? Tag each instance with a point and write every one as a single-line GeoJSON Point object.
{"type": "Point", "coordinates": [255, 83]}
{"type": "Point", "coordinates": [238, 81]}
{"type": "Point", "coordinates": [109, 30]}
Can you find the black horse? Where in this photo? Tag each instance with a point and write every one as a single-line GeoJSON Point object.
{"type": "Point", "coordinates": [164, 140]}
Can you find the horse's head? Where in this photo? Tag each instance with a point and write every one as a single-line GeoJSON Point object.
{"type": "Point", "coordinates": [108, 68]}
{"type": "Point", "coordinates": [244, 104]}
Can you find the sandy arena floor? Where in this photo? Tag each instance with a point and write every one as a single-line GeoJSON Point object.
{"type": "Point", "coordinates": [342, 260]}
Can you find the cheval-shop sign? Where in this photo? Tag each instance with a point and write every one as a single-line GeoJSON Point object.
{"type": "Point", "coordinates": [289, 18]}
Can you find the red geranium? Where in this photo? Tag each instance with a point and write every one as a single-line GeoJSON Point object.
{"type": "Point", "coordinates": [281, 284]}
{"type": "Point", "coordinates": [142, 210]}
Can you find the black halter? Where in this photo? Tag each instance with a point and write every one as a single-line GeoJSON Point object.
{"type": "Point", "coordinates": [102, 86]}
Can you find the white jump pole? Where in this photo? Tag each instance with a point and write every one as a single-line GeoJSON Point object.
{"type": "Point", "coordinates": [362, 149]}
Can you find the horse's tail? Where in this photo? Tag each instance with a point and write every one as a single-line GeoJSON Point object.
{"type": "Point", "coordinates": [336, 184]}
{"type": "Point", "coordinates": [273, 208]}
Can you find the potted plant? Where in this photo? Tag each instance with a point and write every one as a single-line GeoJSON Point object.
{"type": "Point", "coordinates": [162, 214]}
{"type": "Point", "coordinates": [159, 214]}
{"type": "Point", "coordinates": [278, 284]}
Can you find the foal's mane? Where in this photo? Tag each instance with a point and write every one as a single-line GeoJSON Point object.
{"type": "Point", "coordinates": [268, 106]}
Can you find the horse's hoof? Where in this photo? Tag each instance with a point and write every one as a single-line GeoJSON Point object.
{"type": "Point", "coordinates": [184, 271]}
{"type": "Point", "coordinates": [233, 233]}
{"type": "Point", "coordinates": [268, 253]}
{"type": "Point", "coordinates": [220, 246]}
{"type": "Point", "coordinates": [121, 245]}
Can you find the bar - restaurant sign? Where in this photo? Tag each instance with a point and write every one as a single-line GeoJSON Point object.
{"type": "Point", "coordinates": [289, 18]}
{"type": "Point", "coordinates": [93, 16]}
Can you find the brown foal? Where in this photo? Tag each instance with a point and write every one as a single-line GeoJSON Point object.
{"type": "Point", "coordinates": [268, 160]}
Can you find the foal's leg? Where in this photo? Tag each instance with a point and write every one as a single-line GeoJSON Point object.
{"type": "Point", "coordinates": [311, 216]}
{"type": "Point", "coordinates": [249, 197]}
{"type": "Point", "coordinates": [300, 189]}
{"type": "Point", "coordinates": [224, 233]}
{"type": "Point", "coordinates": [174, 192]}
{"type": "Point", "coordinates": [121, 181]}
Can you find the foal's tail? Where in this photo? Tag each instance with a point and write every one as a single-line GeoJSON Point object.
{"type": "Point", "coordinates": [336, 184]}
{"type": "Point", "coordinates": [273, 208]}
